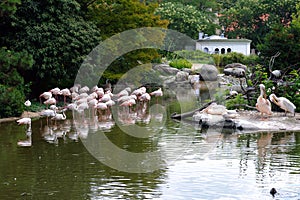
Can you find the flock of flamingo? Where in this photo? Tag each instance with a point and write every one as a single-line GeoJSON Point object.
{"type": "Point", "coordinates": [96, 102]}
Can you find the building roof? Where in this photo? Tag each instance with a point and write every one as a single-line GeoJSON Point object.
{"type": "Point", "coordinates": [217, 38]}
{"type": "Point", "coordinates": [223, 40]}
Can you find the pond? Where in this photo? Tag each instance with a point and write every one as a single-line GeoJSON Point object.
{"type": "Point", "coordinates": [153, 157]}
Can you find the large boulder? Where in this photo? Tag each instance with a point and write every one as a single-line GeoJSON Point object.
{"type": "Point", "coordinates": [236, 72]}
{"type": "Point", "coordinates": [181, 76]}
{"type": "Point", "coordinates": [235, 69]}
{"type": "Point", "coordinates": [207, 72]}
{"type": "Point", "coordinates": [236, 65]}
{"type": "Point", "coordinates": [166, 69]}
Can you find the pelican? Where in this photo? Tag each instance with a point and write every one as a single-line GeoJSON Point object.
{"type": "Point", "coordinates": [263, 105]}
{"type": "Point", "coordinates": [283, 103]}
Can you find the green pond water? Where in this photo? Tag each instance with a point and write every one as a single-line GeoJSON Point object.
{"type": "Point", "coordinates": [152, 157]}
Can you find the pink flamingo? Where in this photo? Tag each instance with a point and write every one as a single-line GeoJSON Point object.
{"type": "Point", "coordinates": [100, 107]}
{"type": "Point", "coordinates": [55, 92]}
{"type": "Point", "coordinates": [66, 93]}
{"type": "Point", "coordinates": [45, 95]}
{"type": "Point", "coordinates": [50, 101]}
{"type": "Point", "coordinates": [25, 121]}
{"type": "Point", "coordinates": [157, 93]}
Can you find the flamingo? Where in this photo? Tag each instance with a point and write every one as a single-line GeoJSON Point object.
{"type": "Point", "coordinates": [55, 92]}
{"type": "Point", "coordinates": [84, 89]}
{"type": "Point", "coordinates": [59, 116]}
{"type": "Point", "coordinates": [73, 107]}
{"type": "Point", "coordinates": [92, 103]}
{"type": "Point", "coordinates": [45, 95]}
{"type": "Point", "coordinates": [50, 101]}
{"type": "Point", "coordinates": [263, 105]}
{"type": "Point", "coordinates": [100, 107]}
{"type": "Point", "coordinates": [138, 92]}
{"type": "Point", "coordinates": [48, 113]}
{"type": "Point", "coordinates": [105, 98]}
{"type": "Point", "coordinates": [75, 88]}
{"type": "Point", "coordinates": [27, 142]}
{"type": "Point", "coordinates": [109, 104]}
{"type": "Point", "coordinates": [128, 103]}
{"type": "Point", "coordinates": [66, 93]}
{"type": "Point", "coordinates": [123, 93]}
{"type": "Point", "coordinates": [283, 103]}
{"type": "Point", "coordinates": [157, 93]}
{"type": "Point", "coordinates": [25, 121]}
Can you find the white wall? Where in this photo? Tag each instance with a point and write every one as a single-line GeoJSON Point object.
{"type": "Point", "coordinates": [239, 46]}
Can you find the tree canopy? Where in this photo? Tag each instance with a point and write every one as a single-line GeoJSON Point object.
{"type": "Point", "coordinates": [254, 19]}
{"type": "Point", "coordinates": [186, 19]}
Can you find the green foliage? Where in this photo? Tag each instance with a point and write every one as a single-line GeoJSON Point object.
{"type": "Point", "coordinates": [254, 19]}
{"type": "Point", "coordinates": [180, 63]}
{"type": "Point", "coordinates": [186, 19]}
{"type": "Point", "coordinates": [197, 56]}
{"type": "Point", "coordinates": [220, 96]}
{"type": "Point", "coordinates": [12, 101]}
{"type": "Point", "coordinates": [56, 35]}
{"type": "Point", "coordinates": [8, 7]}
{"type": "Point", "coordinates": [221, 60]}
{"type": "Point", "coordinates": [12, 87]}
{"type": "Point", "coordinates": [114, 17]}
{"type": "Point", "coordinates": [237, 102]}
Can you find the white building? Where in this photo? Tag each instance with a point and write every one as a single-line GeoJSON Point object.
{"type": "Point", "coordinates": [221, 45]}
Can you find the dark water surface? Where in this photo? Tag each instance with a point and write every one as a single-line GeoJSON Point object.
{"type": "Point", "coordinates": [193, 163]}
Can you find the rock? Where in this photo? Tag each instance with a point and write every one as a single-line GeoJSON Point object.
{"type": "Point", "coordinates": [236, 72]}
{"type": "Point", "coordinates": [166, 69]}
{"type": "Point", "coordinates": [189, 71]}
{"type": "Point", "coordinates": [207, 72]}
{"type": "Point", "coordinates": [181, 76]}
{"type": "Point", "coordinates": [193, 79]}
{"type": "Point", "coordinates": [236, 65]}
{"type": "Point", "coordinates": [168, 81]}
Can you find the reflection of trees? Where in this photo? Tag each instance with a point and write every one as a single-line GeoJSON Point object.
{"type": "Point", "coordinates": [66, 170]}
{"type": "Point", "coordinates": [272, 152]}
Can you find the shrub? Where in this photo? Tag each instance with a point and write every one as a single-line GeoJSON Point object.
{"type": "Point", "coordinates": [12, 101]}
{"type": "Point", "coordinates": [180, 64]}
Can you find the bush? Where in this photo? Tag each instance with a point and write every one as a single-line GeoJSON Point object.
{"type": "Point", "coordinates": [180, 64]}
{"type": "Point", "coordinates": [12, 101]}
{"type": "Point", "coordinates": [12, 87]}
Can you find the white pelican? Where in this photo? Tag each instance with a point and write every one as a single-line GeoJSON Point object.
{"type": "Point", "coordinates": [283, 103]}
{"type": "Point", "coordinates": [263, 105]}
{"type": "Point", "coordinates": [27, 103]}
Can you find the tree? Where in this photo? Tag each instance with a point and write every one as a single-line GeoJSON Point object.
{"type": "Point", "coordinates": [12, 87]}
{"type": "Point", "coordinates": [56, 35]}
{"type": "Point", "coordinates": [286, 40]}
{"type": "Point", "coordinates": [116, 16]}
{"type": "Point", "coordinates": [254, 19]}
{"type": "Point", "coordinates": [186, 19]}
